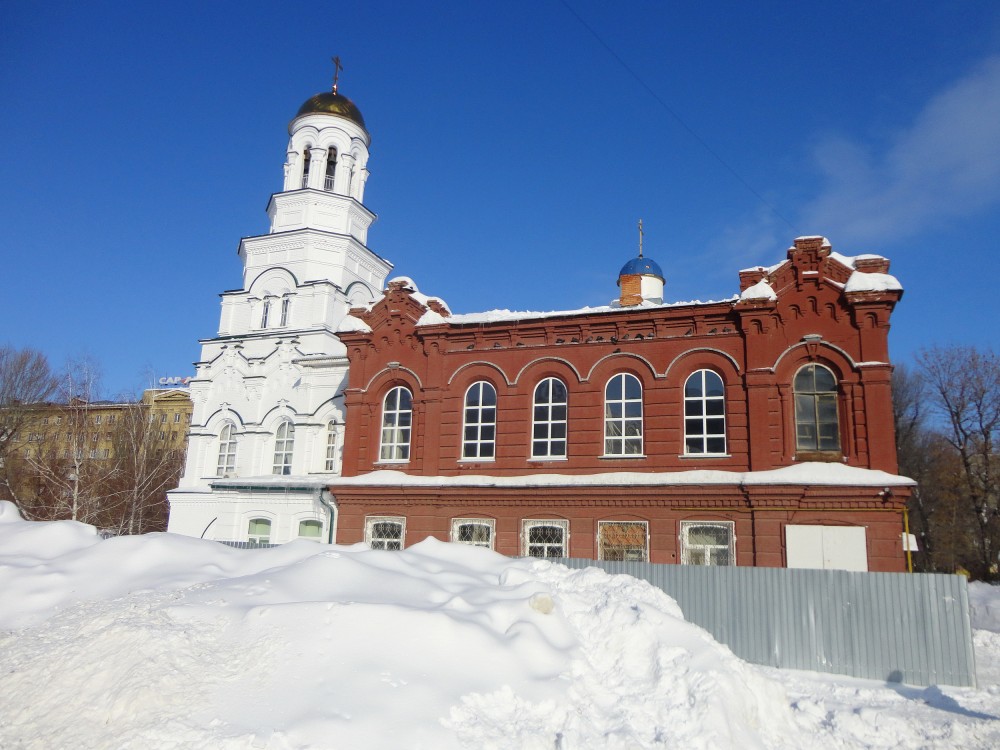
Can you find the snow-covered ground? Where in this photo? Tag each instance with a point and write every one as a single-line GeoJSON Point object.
{"type": "Point", "coordinates": [164, 642]}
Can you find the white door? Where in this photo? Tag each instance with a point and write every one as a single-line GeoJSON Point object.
{"type": "Point", "coordinates": [827, 547]}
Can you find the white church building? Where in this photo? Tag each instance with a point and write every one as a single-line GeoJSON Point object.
{"type": "Point", "coordinates": [267, 427]}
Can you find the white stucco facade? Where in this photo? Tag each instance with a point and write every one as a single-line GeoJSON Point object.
{"type": "Point", "coordinates": [267, 424]}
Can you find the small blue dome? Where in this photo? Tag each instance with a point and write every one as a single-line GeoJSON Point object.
{"type": "Point", "coordinates": [642, 267]}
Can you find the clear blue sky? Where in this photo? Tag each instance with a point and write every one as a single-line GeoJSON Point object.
{"type": "Point", "coordinates": [513, 152]}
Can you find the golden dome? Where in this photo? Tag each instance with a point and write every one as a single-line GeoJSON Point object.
{"type": "Point", "coordinates": [329, 103]}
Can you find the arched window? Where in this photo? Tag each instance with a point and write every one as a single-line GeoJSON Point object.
{"type": "Point", "coordinates": [284, 442]}
{"type": "Point", "coordinates": [331, 168]}
{"type": "Point", "coordinates": [623, 416]}
{"type": "Point", "coordinates": [397, 419]}
{"type": "Point", "coordinates": [305, 166]}
{"type": "Point", "coordinates": [817, 424]}
{"type": "Point", "coordinates": [545, 538]}
{"type": "Point", "coordinates": [385, 532]}
{"type": "Point", "coordinates": [480, 426]}
{"type": "Point", "coordinates": [227, 451]}
{"type": "Point", "coordinates": [331, 447]}
{"type": "Point", "coordinates": [704, 414]}
{"type": "Point", "coordinates": [311, 530]}
{"type": "Point", "coordinates": [548, 423]}
{"type": "Point", "coordinates": [286, 302]}
{"type": "Point", "coordinates": [476, 532]}
{"type": "Point", "coordinates": [265, 312]}
{"type": "Point", "coordinates": [259, 531]}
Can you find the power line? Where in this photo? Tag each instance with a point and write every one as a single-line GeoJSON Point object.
{"type": "Point", "coordinates": [677, 117]}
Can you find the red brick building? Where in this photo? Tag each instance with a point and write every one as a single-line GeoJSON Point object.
{"type": "Point", "coordinates": [752, 431]}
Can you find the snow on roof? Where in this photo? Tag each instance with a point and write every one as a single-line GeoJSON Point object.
{"type": "Point", "coordinates": [423, 299]}
{"type": "Point", "coordinates": [826, 242]}
{"type": "Point", "coordinates": [350, 324]}
{"type": "Point", "coordinates": [807, 473]}
{"type": "Point", "coordinates": [760, 290]}
{"type": "Point", "coordinates": [500, 316]}
{"type": "Point", "coordinates": [872, 282]}
{"type": "Point", "coordinates": [849, 260]}
{"type": "Point", "coordinates": [765, 269]}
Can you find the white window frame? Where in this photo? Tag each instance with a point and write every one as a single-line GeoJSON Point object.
{"type": "Point", "coordinates": [701, 404]}
{"type": "Point", "coordinates": [394, 441]}
{"type": "Point", "coordinates": [533, 523]}
{"type": "Point", "coordinates": [688, 549]}
{"type": "Point", "coordinates": [385, 542]}
{"type": "Point", "coordinates": [226, 463]}
{"type": "Point", "coordinates": [258, 538]}
{"type": "Point", "coordinates": [476, 447]}
{"type": "Point", "coordinates": [284, 447]}
{"type": "Point", "coordinates": [330, 460]}
{"type": "Point", "coordinates": [815, 420]}
{"type": "Point", "coordinates": [546, 446]}
{"type": "Point", "coordinates": [312, 523]}
{"type": "Point", "coordinates": [488, 523]}
{"type": "Point", "coordinates": [265, 312]}
{"type": "Point", "coordinates": [617, 441]}
{"type": "Point", "coordinates": [286, 302]}
{"type": "Point", "coordinates": [602, 525]}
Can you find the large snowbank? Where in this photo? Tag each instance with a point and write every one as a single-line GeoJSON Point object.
{"type": "Point", "coordinates": [167, 642]}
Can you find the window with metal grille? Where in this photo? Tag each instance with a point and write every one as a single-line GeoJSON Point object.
{"type": "Point", "coordinates": [623, 416]}
{"type": "Point", "coordinates": [549, 420]}
{"type": "Point", "coordinates": [623, 540]}
{"type": "Point", "coordinates": [708, 543]}
{"type": "Point", "coordinates": [331, 169]}
{"type": "Point", "coordinates": [548, 538]}
{"type": "Point", "coordinates": [397, 420]}
{"type": "Point", "coordinates": [480, 422]}
{"type": "Point", "coordinates": [477, 532]}
{"type": "Point", "coordinates": [284, 444]}
{"type": "Point", "coordinates": [259, 531]}
{"type": "Point", "coordinates": [704, 414]}
{"type": "Point", "coordinates": [305, 166]}
{"type": "Point", "coordinates": [227, 451]}
{"type": "Point", "coordinates": [385, 532]}
{"type": "Point", "coordinates": [817, 423]}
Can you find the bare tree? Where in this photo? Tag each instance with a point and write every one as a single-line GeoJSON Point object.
{"type": "Point", "coordinates": [964, 389]}
{"type": "Point", "coordinates": [25, 381]}
{"type": "Point", "coordinates": [144, 470]}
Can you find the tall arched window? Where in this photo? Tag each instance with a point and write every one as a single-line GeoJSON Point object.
{"type": "Point", "coordinates": [480, 423]}
{"type": "Point", "coordinates": [397, 420]}
{"type": "Point", "coordinates": [331, 168]}
{"type": "Point", "coordinates": [306, 156]}
{"type": "Point", "coordinates": [549, 420]}
{"type": "Point", "coordinates": [817, 423]}
{"type": "Point", "coordinates": [265, 312]}
{"type": "Point", "coordinates": [284, 443]}
{"type": "Point", "coordinates": [623, 416]}
{"type": "Point", "coordinates": [704, 414]}
{"type": "Point", "coordinates": [286, 302]}
{"type": "Point", "coordinates": [331, 447]}
{"type": "Point", "coordinates": [227, 451]}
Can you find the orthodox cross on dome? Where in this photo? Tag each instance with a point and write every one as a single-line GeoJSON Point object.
{"type": "Point", "coordinates": [640, 237]}
{"type": "Point", "coordinates": [337, 67]}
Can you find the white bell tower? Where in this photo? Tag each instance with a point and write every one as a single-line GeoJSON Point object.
{"type": "Point", "coordinates": [267, 427]}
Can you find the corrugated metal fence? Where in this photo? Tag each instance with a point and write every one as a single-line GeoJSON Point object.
{"type": "Point", "coordinates": [898, 627]}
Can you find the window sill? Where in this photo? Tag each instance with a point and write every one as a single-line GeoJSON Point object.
{"type": "Point", "coordinates": [544, 459]}
{"type": "Point", "coordinates": [477, 460]}
{"type": "Point", "coordinates": [705, 455]}
{"type": "Point", "coordinates": [393, 462]}
{"type": "Point", "coordinates": [829, 457]}
{"type": "Point", "coordinates": [622, 456]}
